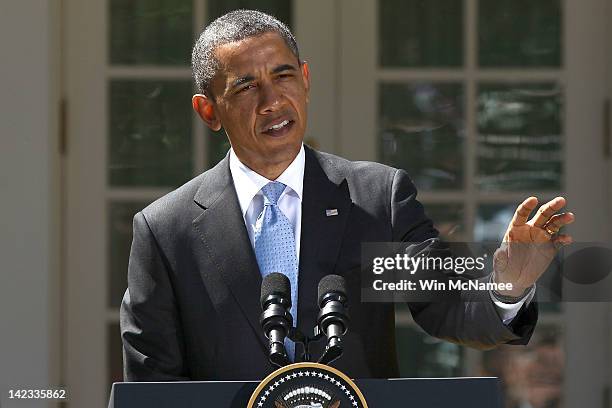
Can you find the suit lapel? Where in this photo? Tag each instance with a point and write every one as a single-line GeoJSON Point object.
{"type": "Point", "coordinates": [324, 189]}
{"type": "Point", "coordinates": [225, 238]}
{"type": "Point", "coordinates": [226, 242]}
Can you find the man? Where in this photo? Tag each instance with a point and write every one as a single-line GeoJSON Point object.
{"type": "Point", "coordinates": [191, 310]}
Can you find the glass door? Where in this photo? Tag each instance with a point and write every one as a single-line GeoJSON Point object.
{"type": "Point", "coordinates": [479, 102]}
{"type": "Point", "coordinates": [134, 137]}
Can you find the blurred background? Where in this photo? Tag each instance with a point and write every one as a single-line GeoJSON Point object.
{"type": "Point", "coordinates": [483, 102]}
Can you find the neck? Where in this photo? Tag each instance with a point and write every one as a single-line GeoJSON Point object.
{"type": "Point", "coordinates": [271, 172]}
{"type": "Point", "coordinates": [267, 169]}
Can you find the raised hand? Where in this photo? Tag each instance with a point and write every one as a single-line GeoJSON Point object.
{"type": "Point", "coordinates": [529, 246]}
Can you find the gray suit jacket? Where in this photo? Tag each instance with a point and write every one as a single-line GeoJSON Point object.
{"type": "Point", "coordinates": [191, 311]}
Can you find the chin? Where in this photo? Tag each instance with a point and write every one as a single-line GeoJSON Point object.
{"type": "Point", "coordinates": [284, 151]}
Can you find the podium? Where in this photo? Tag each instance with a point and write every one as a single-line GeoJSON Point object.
{"type": "Point", "coordinates": [481, 392]}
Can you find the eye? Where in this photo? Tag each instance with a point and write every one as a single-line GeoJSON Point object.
{"type": "Point", "coordinates": [246, 88]}
{"type": "Point", "coordinates": [285, 76]}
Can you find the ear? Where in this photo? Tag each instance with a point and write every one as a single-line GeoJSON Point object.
{"type": "Point", "coordinates": [204, 106]}
{"type": "Point", "coordinates": [306, 78]}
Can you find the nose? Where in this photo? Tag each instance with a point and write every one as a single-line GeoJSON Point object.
{"type": "Point", "coordinates": [270, 99]}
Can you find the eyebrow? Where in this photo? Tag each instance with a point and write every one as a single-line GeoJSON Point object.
{"type": "Point", "coordinates": [248, 78]}
{"type": "Point", "coordinates": [284, 67]}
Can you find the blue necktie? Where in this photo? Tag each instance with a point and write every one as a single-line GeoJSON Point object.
{"type": "Point", "coordinates": [275, 247]}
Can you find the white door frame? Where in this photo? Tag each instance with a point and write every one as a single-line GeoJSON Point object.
{"type": "Point", "coordinates": [85, 70]}
{"type": "Point", "coordinates": [587, 187]}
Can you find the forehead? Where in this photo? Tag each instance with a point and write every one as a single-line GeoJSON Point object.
{"type": "Point", "coordinates": [252, 54]}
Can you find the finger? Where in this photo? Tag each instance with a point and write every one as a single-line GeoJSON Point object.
{"type": "Point", "coordinates": [521, 215]}
{"type": "Point", "coordinates": [547, 210]}
{"type": "Point", "coordinates": [558, 221]}
{"type": "Point", "coordinates": [562, 239]}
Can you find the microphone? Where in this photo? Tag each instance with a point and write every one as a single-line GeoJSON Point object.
{"type": "Point", "coordinates": [333, 318]}
{"type": "Point", "coordinates": [275, 319]}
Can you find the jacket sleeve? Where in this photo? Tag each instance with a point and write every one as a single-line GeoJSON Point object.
{"type": "Point", "coordinates": [150, 326]}
{"type": "Point", "coordinates": [471, 319]}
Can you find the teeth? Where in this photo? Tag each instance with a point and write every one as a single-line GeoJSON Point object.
{"type": "Point", "coordinates": [280, 125]}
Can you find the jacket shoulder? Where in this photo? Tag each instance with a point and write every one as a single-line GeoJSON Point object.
{"type": "Point", "coordinates": [368, 177]}
{"type": "Point", "coordinates": [360, 168]}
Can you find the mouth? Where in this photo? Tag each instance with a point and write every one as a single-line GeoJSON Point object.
{"type": "Point", "coordinates": [280, 128]}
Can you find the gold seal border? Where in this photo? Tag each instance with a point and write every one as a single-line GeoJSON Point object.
{"type": "Point", "coordinates": [264, 383]}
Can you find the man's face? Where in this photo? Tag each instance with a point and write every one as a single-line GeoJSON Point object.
{"type": "Point", "coordinates": [260, 98]}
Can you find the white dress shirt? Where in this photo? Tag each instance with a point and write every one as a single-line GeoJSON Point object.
{"type": "Point", "coordinates": [248, 186]}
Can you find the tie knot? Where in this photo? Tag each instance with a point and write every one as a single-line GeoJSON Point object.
{"type": "Point", "coordinates": [272, 191]}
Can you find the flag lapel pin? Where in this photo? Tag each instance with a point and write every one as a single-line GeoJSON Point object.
{"type": "Point", "coordinates": [331, 212]}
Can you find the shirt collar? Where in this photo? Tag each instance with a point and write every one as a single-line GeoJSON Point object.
{"type": "Point", "coordinates": [248, 183]}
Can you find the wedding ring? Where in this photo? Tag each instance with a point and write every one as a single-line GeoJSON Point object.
{"type": "Point", "coordinates": [550, 232]}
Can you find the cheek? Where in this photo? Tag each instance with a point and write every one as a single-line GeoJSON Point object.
{"type": "Point", "coordinates": [301, 104]}
{"type": "Point", "coordinates": [240, 115]}
{"type": "Point", "coordinates": [298, 98]}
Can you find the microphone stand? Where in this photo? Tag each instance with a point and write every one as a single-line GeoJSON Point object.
{"type": "Point", "coordinates": [333, 350]}
{"type": "Point", "coordinates": [298, 337]}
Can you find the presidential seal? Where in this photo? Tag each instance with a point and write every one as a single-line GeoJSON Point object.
{"type": "Point", "coordinates": [307, 385]}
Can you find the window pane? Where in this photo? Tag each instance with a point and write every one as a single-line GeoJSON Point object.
{"type": "Point", "coordinates": [519, 142]}
{"type": "Point", "coordinates": [120, 240]}
{"type": "Point", "coordinates": [519, 33]}
{"type": "Point", "coordinates": [150, 133]}
{"type": "Point", "coordinates": [281, 9]}
{"type": "Point", "coordinates": [115, 355]}
{"type": "Point", "coordinates": [492, 221]}
{"type": "Point", "coordinates": [156, 32]}
{"type": "Point", "coordinates": [421, 128]}
{"type": "Point", "coordinates": [532, 375]}
{"type": "Point", "coordinates": [420, 355]}
{"type": "Point", "coordinates": [218, 145]}
{"type": "Point", "coordinates": [448, 219]}
{"type": "Point", "coordinates": [420, 33]}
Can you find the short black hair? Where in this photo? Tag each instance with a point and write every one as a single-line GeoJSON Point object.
{"type": "Point", "coordinates": [233, 26]}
